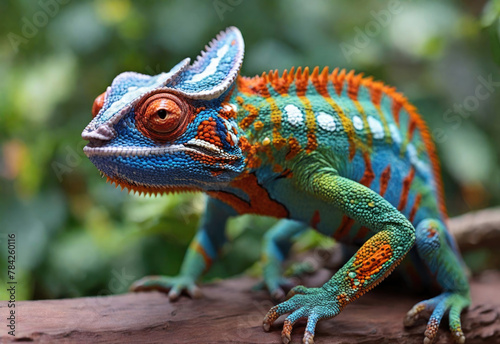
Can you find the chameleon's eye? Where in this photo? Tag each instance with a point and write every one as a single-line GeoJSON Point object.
{"type": "Point", "coordinates": [162, 116]}
{"type": "Point", "coordinates": [98, 103]}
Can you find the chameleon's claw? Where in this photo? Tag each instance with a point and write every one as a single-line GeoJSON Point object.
{"type": "Point", "coordinates": [173, 295]}
{"type": "Point", "coordinates": [276, 287]}
{"type": "Point", "coordinates": [278, 294]}
{"type": "Point", "coordinates": [431, 331]}
{"type": "Point", "coordinates": [286, 338]}
{"type": "Point", "coordinates": [297, 290]}
{"type": "Point", "coordinates": [266, 326]}
{"type": "Point", "coordinates": [308, 338]}
{"type": "Point", "coordinates": [286, 333]}
{"type": "Point", "coordinates": [270, 317]}
{"type": "Point", "coordinates": [173, 286]}
{"type": "Point", "coordinates": [413, 314]}
{"type": "Point", "coordinates": [459, 337]}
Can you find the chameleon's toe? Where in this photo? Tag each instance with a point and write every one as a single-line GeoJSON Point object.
{"type": "Point", "coordinates": [311, 303]}
{"type": "Point", "coordinates": [276, 287]}
{"type": "Point", "coordinates": [173, 286]}
{"type": "Point", "coordinates": [453, 303]}
{"type": "Point", "coordinates": [299, 290]}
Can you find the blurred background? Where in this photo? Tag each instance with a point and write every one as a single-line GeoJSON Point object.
{"type": "Point", "coordinates": [77, 235]}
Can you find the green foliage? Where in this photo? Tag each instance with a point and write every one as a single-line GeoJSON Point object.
{"type": "Point", "coordinates": [77, 235]}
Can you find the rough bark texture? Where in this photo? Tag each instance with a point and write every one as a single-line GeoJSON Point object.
{"type": "Point", "coordinates": [479, 229]}
{"type": "Point", "coordinates": [231, 313]}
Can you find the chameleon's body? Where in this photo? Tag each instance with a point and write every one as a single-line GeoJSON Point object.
{"type": "Point", "coordinates": [334, 151]}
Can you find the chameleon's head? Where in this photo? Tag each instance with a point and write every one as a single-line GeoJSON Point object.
{"type": "Point", "coordinates": [172, 131]}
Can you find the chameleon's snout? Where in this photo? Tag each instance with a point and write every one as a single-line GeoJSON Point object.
{"type": "Point", "coordinates": [98, 137]}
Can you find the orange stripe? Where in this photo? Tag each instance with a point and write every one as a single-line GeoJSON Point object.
{"type": "Point", "coordinates": [362, 233]}
{"type": "Point", "coordinates": [396, 107]}
{"type": "Point", "coordinates": [344, 228]}
{"type": "Point", "coordinates": [260, 202]}
{"type": "Point", "coordinates": [320, 86]}
{"type": "Point", "coordinates": [368, 176]}
{"type": "Point", "coordinates": [406, 189]}
{"type": "Point", "coordinates": [415, 207]}
{"type": "Point", "coordinates": [315, 220]}
{"type": "Point", "coordinates": [411, 129]}
{"type": "Point", "coordinates": [312, 144]}
{"type": "Point", "coordinates": [198, 248]}
{"type": "Point", "coordinates": [293, 148]}
{"type": "Point", "coordinates": [384, 180]}
{"type": "Point", "coordinates": [301, 84]}
{"type": "Point", "coordinates": [253, 113]}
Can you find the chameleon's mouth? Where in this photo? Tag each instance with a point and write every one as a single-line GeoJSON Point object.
{"type": "Point", "coordinates": [193, 146]}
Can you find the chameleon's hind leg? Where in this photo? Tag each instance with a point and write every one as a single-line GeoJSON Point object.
{"type": "Point", "coordinates": [202, 251]}
{"type": "Point", "coordinates": [276, 246]}
{"type": "Point", "coordinates": [438, 251]}
{"type": "Point", "coordinates": [394, 236]}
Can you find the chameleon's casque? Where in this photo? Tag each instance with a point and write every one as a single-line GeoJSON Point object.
{"type": "Point", "coordinates": [335, 151]}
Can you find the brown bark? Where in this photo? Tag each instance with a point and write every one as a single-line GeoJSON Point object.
{"type": "Point", "coordinates": [479, 229]}
{"type": "Point", "coordinates": [231, 313]}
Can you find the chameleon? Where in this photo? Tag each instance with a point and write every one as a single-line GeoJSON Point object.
{"type": "Point", "coordinates": [334, 151]}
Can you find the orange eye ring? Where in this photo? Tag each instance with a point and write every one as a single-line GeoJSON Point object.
{"type": "Point", "coordinates": [98, 104]}
{"type": "Point", "coordinates": [161, 116]}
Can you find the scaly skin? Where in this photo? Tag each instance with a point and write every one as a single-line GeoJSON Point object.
{"type": "Point", "coordinates": [340, 153]}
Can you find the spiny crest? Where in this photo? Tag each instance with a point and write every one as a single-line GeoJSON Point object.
{"type": "Point", "coordinates": [301, 81]}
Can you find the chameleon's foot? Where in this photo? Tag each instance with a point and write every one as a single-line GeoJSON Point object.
{"type": "Point", "coordinates": [311, 303]}
{"type": "Point", "coordinates": [277, 287]}
{"type": "Point", "coordinates": [454, 303]}
{"type": "Point", "coordinates": [174, 286]}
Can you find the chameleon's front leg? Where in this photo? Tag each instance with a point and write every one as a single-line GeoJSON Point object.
{"type": "Point", "coordinates": [202, 251]}
{"type": "Point", "coordinates": [276, 246]}
{"type": "Point", "coordinates": [371, 264]}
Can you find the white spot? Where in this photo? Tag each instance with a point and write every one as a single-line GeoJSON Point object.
{"type": "Point", "coordinates": [212, 66]}
{"type": "Point", "coordinates": [357, 122]}
{"type": "Point", "coordinates": [376, 128]}
{"type": "Point", "coordinates": [295, 116]}
{"type": "Point", "coordinates": [132, 88]}
{"type": "Point", "coordinates": [412, 153]}
{"type": "Point", "coordinates": [227, 124]}
{"type": "Point", "coordinates": [233, 138]}
{"type": "Point", "coordinates": [414, 160]}
{"type": "Point", "coordinates": [396, 136]}
{"type": "Point", "coordinates": [325, 121]}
